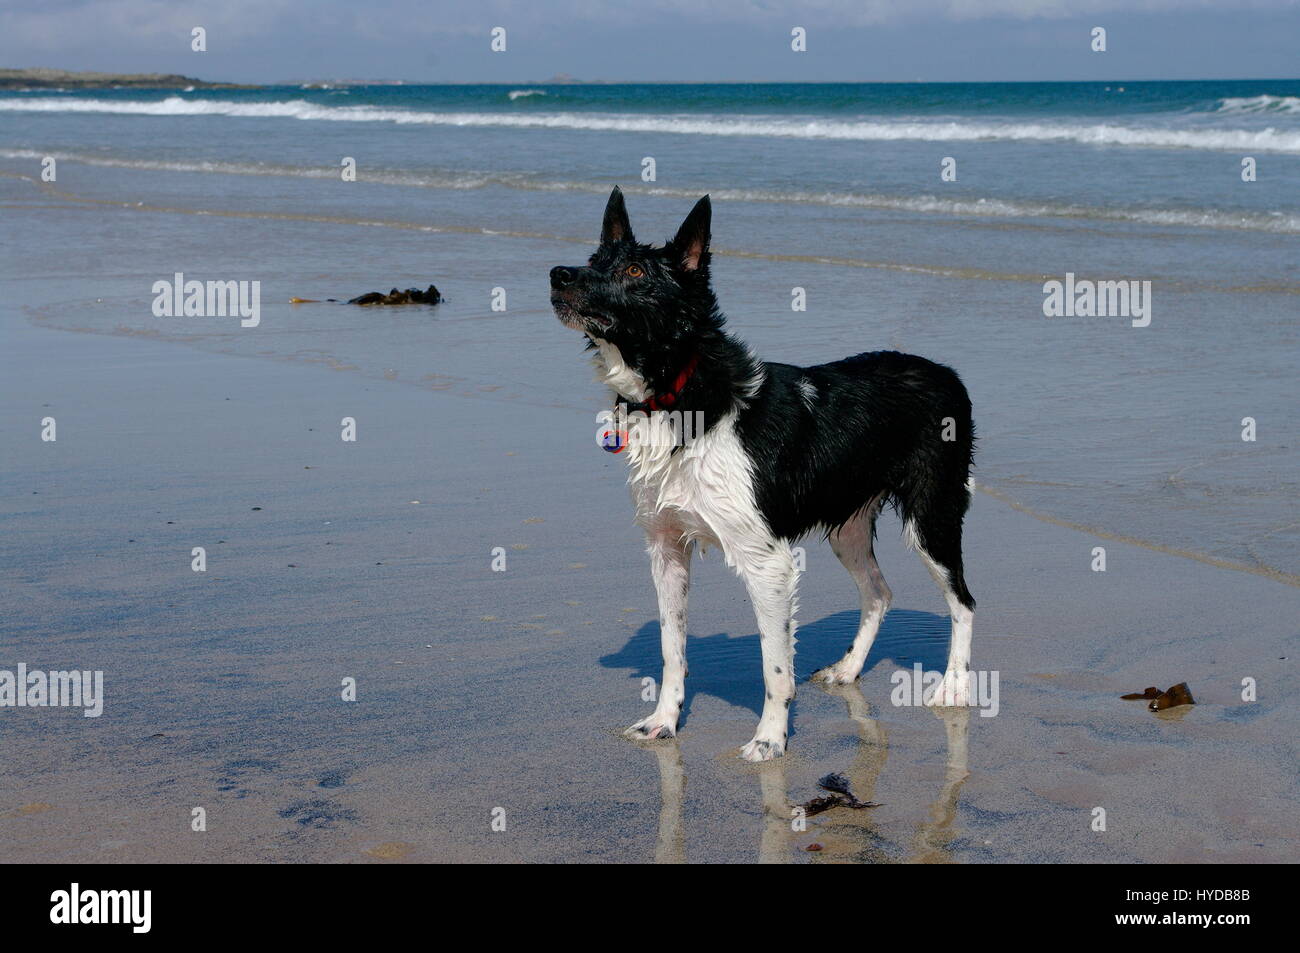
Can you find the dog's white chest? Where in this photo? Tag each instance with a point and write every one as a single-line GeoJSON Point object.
{"type": "Point", "coordinates": [701, 486]}
{"type": "Point", "coordinates": [704, 490]}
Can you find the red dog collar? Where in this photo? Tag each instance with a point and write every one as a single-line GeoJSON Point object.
{"type": "Point", "coordinates": [668, 398]}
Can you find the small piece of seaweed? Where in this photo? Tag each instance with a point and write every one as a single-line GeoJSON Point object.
{"type": "Point", "coordinates": [1176, 695]}
{"type": "Point", "coordinates": [840, 796]}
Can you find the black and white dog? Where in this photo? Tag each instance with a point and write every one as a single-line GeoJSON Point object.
{"type": "Point", "coordinates": [783, 451]}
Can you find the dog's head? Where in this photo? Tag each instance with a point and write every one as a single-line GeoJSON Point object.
{"type": "Point", "coordinates": [635, 296]}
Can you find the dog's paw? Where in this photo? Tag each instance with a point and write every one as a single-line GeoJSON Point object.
{"type": "Point", "coordinates": [834, 675]}
{"type": "Point", "coordinates": [759, 750]}
{"type": "Point", "coordinates": [650, 728]}
{"type": "Point", "coordinates": [952, 692]}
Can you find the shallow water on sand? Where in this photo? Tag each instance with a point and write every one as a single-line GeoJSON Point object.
{"type": "Point", "coordinates": [1132, 431]}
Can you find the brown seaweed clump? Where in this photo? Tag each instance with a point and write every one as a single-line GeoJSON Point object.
{"type": "Point", "coordinates": [429, 295]}
{"type": "Point", "coordinates": [1177, 695]}
{"type": "Point", "coordinates": [409, 296]}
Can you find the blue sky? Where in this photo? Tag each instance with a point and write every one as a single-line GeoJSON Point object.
{"type": "Point", "coordinates": [660, 40]}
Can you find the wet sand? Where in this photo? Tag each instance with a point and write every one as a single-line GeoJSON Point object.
{"type": "Point", "coordinates": [480, 690]}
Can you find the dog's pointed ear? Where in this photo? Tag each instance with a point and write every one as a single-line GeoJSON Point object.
{"type": "Point", "coordinates": [616, 226]}
{"type": "Point", "coordinates": [691, 244]}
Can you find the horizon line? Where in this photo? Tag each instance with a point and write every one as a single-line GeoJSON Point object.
{"type": "Point", "coordinates": [558, 81]}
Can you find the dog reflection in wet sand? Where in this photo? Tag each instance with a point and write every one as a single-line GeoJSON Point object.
{"type": "Point", "coordinates": [844, 834]}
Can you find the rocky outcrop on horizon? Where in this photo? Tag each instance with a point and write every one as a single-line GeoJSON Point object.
{"type": "Point", "coordinates": [85, 79]}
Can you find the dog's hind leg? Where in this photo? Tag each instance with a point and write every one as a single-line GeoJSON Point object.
{"type": "Point", "coordinates": [670, 564]}
{"type": "Point", "coordinates": [936, 535]}
{"type": "Point", "coordinates": [771, 578]}
{"type": "Point", "coordinates": [852, 544]}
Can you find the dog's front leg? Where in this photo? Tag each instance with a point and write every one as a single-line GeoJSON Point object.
{"type": "Point", "coordinates": [670, 564]}
{"type": "Point", "coordinates": [771, 579]}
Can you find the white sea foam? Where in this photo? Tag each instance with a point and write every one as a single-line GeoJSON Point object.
{"type": "Point", "coordinates": [524, 93]}
{"type": "Point", "coordinates": [781, 127]}
{"type": "Point", "coordinates": [924, 204]}
{"type": "Point", "coordinates": [1282, 105]}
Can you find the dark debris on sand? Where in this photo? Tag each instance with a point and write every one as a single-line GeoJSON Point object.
{"type": "Point", "coordinates": [410, 296]}
{"type": "Point", "coordinates": [840, 796]}
{"type": "Point", "coordinates": [1177, 695]}
{"type": "Point", "coordinates": [429, 295]}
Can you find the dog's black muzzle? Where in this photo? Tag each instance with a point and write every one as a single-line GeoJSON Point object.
{"type": "Point", "coordinates": [562, 276]}
{"type": "Point", "coordinates": [568, 297]}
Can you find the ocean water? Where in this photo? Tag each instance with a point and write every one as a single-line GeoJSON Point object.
{"type": "Point", "coordinates": [1127, 431]}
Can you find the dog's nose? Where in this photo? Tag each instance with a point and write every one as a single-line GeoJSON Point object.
{"type": "Point", "coordinates": [561, 276]}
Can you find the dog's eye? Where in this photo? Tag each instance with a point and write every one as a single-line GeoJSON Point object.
{"type": "Point", "coordinates": [633, 271]}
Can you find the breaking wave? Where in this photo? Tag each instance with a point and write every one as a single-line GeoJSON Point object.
{"type": "Point", "coordinates": [780, 127]}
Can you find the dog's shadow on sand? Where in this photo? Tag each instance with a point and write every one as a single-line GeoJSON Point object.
{"type": "Point", "coordinates": [730, 667]}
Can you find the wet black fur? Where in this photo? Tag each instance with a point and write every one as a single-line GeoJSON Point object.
{"type": "Point", "coordinates": [875, 427]}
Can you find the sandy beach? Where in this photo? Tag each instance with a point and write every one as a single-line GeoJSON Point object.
{"type": "Point", "coordinates": [485, 694]}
